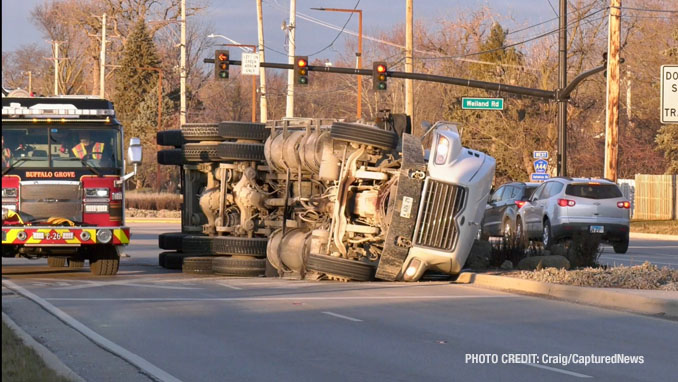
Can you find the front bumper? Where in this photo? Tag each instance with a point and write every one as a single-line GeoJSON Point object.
{"type": "Point", "coordinates": [611, 232]}
{"type": "Point", "coordinates": [41, 236]}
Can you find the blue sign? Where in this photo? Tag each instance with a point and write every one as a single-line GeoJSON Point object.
{"type": "Point", "coordinates": [538, 177]}
{"type": "Point", "coordinates": [540, 154]}
{"type": "Point", "coordinates": [541, 166]}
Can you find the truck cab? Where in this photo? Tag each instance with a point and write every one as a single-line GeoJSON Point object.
{"type": "Point", "coordinates": [63, 183]}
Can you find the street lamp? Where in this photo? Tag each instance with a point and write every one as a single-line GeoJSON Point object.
{"type": "Point", "coordinates": [245, 48]}
{"type": "Point", "coordinates": [359, 55]}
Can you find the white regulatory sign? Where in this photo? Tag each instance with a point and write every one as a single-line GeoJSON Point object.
{"type": "Point", "coordinates": [669, 94]}
{"type": "Point", "coordinates": [250, 64]}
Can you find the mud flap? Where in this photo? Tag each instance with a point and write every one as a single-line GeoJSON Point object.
{"type": "Point", "coordinates": [403, 209]}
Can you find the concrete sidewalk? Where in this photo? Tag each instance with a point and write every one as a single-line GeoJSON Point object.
{"type": "Point", "coordinates": [651, 302]}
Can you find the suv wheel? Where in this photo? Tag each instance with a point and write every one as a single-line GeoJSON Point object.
{"type": "Point", "coordinates": [507, 228]}
{"type": "Point", "coordinates": [519, 231]}
{"type": "Point", "coordinates": [621, 246]}
{"type": "Point", "coordinates": [547, 236]}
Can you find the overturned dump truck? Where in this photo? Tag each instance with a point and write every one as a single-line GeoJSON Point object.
{"type": "Point", "coordinates": [324, 198]}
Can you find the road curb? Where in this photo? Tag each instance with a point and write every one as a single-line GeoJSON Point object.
{"type": "Point", "coordinates": [656, 306]}
{"type": "Point", "coordinates": [641, 235]}
{"type": "Point", "coordinates": [51, 361]}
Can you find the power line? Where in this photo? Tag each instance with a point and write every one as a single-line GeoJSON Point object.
{"type": "Point", "coordinates": [549, 20]}
{"type": "Point", "coordinates": [338, 34]}
{"type": "Point", "coordinates": [649, 10]}
{"type": "Point", "coordinates": [516, 43]}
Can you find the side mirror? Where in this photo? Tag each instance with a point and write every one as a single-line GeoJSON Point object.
{"type": "Point", "coordinates": [134, 152]}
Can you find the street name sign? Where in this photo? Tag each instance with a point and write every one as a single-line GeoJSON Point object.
{"type": "Point", "coordinates": [669, 94]}
{"type": "Point", "coordinates": [539, 177]}
{"type": "Point", "coordinates": [540, 154]}
{"type": "Point", "coordinates": [250, 64]}
{"type": "Point", "coordinates": [482, 103]}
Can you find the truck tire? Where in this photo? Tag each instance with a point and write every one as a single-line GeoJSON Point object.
{"type": "Point", "coordinates": [56, 262]}
{"type": "Point", "coordinates": [169, 138]}
{"type": "Point", "coordinates": [369, 135]}
{"type": "Point", "coordinates": [76, 263]}
{"type": "Point", "coordinates": [236, 266]}
{"type": "Point", "coordinates": [201, 265]}
{"type": "Point", "coordinates": [336, 266]}
{"type": "Point", "coordinates": [170, 240]}
{"type": "Point", "coordinates": [241, 151]}
{"type": "Point", "coordinates": [196, 132]}
{"type": "Point", "coordinates": [225, 245]}
{"type": "Point", "coordinates": [172, 260]}
{"type": "Point", "coordinates": [104, 261]}
{"type": "Point", "coordinates": [170, 157]}
{"type": "Point", "coordinates": [199, 152]}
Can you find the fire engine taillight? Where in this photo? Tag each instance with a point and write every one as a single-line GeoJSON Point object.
{"type": "Point", "coordinates": [116, 196]}
{"type": "Point", "coordinates": [104, 235]}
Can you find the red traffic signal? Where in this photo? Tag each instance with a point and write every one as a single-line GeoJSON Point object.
{"type": "Point", "coordinates": [221, 64]}
{"type": "Point", "coordinates": [301, 70]}
{"type": "Point", "coordinates": [379, 76]}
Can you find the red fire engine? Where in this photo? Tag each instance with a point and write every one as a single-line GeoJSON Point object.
{"type": "Point", "coordinates": [63, 181]}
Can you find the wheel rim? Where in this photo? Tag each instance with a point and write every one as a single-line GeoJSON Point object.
{"type": "Point", "coordinates": [519, 230]}
{"type": "Point", "coordinates": [507, 229]}
{"type": "Point", "coordinates": [546, 235]}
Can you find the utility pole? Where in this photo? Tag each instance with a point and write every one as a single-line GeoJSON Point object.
{"type": "Point", "coordinates": [289, 112]}
{"type": "Point", "coordinates": [102, 59]}
{"type": "Point", "coordinates": [30, 80]}
{"type": "Point", "coordinates": [56, 67]}
{"type": "Point", "coordinates": [612, 105]}
{"type": "Point", "coordinates": [182, 66]}
{"type": "Point", "coordinates": [263, 106]}
{"type": "Point", "coordinates": [409, 35]}
{"type": "Point", "coordinates": [562, 83]}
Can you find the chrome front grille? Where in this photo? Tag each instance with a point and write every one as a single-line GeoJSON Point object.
{"type": "Point", "coordinates": [45, 199]}
{"type": "Point", "coordinates": [440, 204]}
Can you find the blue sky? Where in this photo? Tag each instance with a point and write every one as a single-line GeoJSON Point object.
{"type": "Point", "coordinates": [237, 19]}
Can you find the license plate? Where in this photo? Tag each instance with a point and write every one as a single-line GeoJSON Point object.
{"type": "Point", "coordinates": [597, 229]}
{"type": "Point", "coordinates": [53, 236]}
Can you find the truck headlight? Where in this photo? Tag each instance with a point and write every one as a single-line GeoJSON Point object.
{"type": "Point", "coordinates": [442, 150]}
{"type": "Point", "coordinates": [9, 192]}
{"type": "Point", "coordinates": [96, 192]}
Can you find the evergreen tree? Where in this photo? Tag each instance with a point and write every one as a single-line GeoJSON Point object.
{"type": "Point", "coordinates": [133, 83]}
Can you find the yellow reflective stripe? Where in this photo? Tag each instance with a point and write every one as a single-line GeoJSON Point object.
{"type": "Point", "coordinates": [10, 236]}
{"type": "Point", "coordinates": [121, 236]}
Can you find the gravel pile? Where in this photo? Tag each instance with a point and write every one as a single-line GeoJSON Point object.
{"type": "Point", "coordinates": [137, 213]}
{"type": "Point", "coordinates": [645, 276]}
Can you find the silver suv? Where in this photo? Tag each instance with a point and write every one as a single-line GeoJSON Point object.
{"type": "Point", "coordinates": [561, 207]}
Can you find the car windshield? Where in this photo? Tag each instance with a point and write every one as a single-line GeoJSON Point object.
{"type": "Point", "coordinates": [62, 146]}
{"type": "Point", "coordinates": [593, 191]}
{"type": "Point", "coordinates": [529, 190]}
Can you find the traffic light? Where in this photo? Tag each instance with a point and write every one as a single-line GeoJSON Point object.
{"type": "Point", "coordinates": [301, 70]}
{"type": "Point", "coordinates": [379, 76]}
{"type": "Point", "coordinates": [221, 64]}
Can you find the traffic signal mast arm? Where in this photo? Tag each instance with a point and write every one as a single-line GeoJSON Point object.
{"type": "Point", "coordinates": [494, 86]}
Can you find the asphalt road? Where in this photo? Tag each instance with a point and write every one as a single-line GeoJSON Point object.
{"type": "Point", "coordinates": [209, 328]}
{"type": "Point", "coordinates": [656, 251]}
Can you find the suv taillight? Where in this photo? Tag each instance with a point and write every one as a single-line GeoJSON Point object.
{"type": "Point", "coordinates": [566, 203]}
{"type": "Point", "coordinates": [625, 204]}
{"type": "Point", "coordinates": [520, 203]}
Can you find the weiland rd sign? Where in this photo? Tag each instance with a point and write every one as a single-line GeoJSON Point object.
{"type": "Point", "coordinates": [482, 103]}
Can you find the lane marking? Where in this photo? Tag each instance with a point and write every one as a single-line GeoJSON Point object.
{"type": "Point", "coordinates": [572, 373]}
{"type": "Point", "coordinates": [639, 261]}
{"type": "Point", "coordinates": [229, 286]}
{"type": "Point", "coordinates": [342, 316]}
{"type": "Point", "coordinates": [96, 284]}
{"type": "Point", "coordinates": [98, 339]}
{"type": "Point", "coordinates": [278, 298]}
